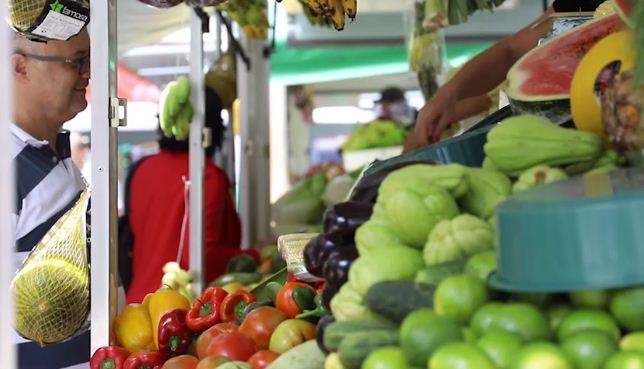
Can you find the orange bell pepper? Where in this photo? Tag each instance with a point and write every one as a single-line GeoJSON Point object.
{"type": "Point", "coordinates": [162, 302]}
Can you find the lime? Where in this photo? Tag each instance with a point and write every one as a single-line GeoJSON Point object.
{"type": "Point", "coordinates": [522, 319]}
{"type": "Point", "coordinates": [589, 299]}
{"type": "Point", "coordinates": [468, 335]}
{"type": "Point", "coordinates": [589, 349]}
{"type": "Point", "coordinates": [588, 320]}
{"type": "Point", "coordinates": [556, 314]}
{"type": "Point", "coordinates": [422, 332]}
{"type": "Point", "coordinates": [541, 355]}
{"type": "Point", "coordinates": [632, 341]}
{"type": "Point", "coordinates": [625, 360]}
{"type": "Point", "coordinates": [481, 265]}
{"type": "Point", "coordinates": [627, 306]}
{"type": "Point", "coordinates": [500, 346]}
{"type": "Point", "coordinates": [460, 355]}
{"type": "Point", "coordinates": [459, 296]}
{"type": "Point", "coordinates": [385, 358]}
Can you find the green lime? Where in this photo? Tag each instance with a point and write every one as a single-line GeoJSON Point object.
{"type": "Point", "coordinates": [385, 358]}
{"type": "Point", "coordinates": [632, 341]}
{"type": "Point", "coordinates": [481, 265]}
{"type": "Point", "coordinates": [625, 360]}
{"type": "Point", "coordinates": [589, 349]}
{"type": "Point", "coordinates": [422, 332]}
{"type": "Point", "coordinates": [522, 319]}
{"type": "Point", "coordinates": [589, 299]}
{"type": "Point", "coordinates": [468, 335]}
{"type": "Point", "coordinates": [556, 314]}
{"type": "Point", "coordinates": [627, 306]}
{"type": "Point", "coordinates": [588, 320]}
{"type": "Point", "coordinates": [460, 355]}
{"type": "Point", "coordinates": [459, 296]}
{"type": "Point", "coordinates": [541, 355]}
{"type": "Point", "coordinates": [500, 346]}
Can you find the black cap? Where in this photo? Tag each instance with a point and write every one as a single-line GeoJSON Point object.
{"type": "Point", "coordinates": [391, 94]}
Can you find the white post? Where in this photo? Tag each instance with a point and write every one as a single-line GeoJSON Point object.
{"type": "Point", "coordinates": [104, 247]}
{"type": "Point", "coordinates": [197, 164]}
{"type": "Point", "coordinates": [7, 239]}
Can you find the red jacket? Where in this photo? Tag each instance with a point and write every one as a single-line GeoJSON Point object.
{"type": "Point", "coordinates": [156, 214]}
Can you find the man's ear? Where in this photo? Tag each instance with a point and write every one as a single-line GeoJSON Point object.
{"type": "Point", "coordinates": [19, 66]}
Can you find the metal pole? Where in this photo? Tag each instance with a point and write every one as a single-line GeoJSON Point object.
{"type": "Point", "coordinates": [7, 239]}
{"type": "Point", "coordinates": [244, 95]}
{"type": "Point", "coordinates": [197, 163]}
{"type": "Point", "coordinates": [104, 171]}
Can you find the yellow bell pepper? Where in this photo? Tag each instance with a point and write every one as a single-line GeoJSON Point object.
{"type": "Point", "coordinates": [133, 328]}
{"type": "Point", "coordinates": [161, 302]}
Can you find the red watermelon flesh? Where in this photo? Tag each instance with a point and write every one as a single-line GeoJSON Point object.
{"type": "Point", "coordinates": [624, 9]}
{"type": "Point", "coordinates": [545, 73]}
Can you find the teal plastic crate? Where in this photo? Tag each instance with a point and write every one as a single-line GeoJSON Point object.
{"type": "Point", "coordinates": [582, 233]}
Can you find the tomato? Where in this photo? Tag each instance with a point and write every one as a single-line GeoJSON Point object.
{"type": "Point", "coordinates": [181, 362]}
{"type": "Point", "coordinates": [212, 362]}
{"type": "Point", "coordinates": [291, 333]}
{"type": "Point", "coordinates": [262, 359]}
{"type": "Point", "coordinates": [210, 333]}
{"type": "Point", "coordinates": [260, 324]}
{"type": "Point", "coordinates": [236, 346]}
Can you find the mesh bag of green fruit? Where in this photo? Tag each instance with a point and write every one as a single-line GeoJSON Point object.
{"type": "Point", "coordinates": [51, 289]}
{"type": "Point", "coordinates": [45, 20]}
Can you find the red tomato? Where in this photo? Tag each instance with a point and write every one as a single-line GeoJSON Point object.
{"type": "Point", "coordinates": [204, 338]}
{"type": "Point", "coordinates": [260, 324]}
{"type": "Point", "coordinates": [181, 362]}
{"type": "Point", "coordinates": [262, 359]}
{"type": "Point", "coordinates": [236, 346]}
{"type": "Point", "coordinates": [212, 362]}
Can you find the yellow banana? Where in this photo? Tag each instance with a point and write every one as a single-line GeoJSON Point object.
{"type": "Point", "coordinates": [351, 8]}
{"type": "Point", "coordinates": [313, 5]}
{"type": "Point", "coordinates": [326, 7]}
{"type": "Point", "coordinates": [338, 17]}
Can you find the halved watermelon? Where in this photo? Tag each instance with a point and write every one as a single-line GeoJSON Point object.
{"type": "Point", "coordinates": [539, 83]}
{"type": "Point", "coordinates": [625, 9]}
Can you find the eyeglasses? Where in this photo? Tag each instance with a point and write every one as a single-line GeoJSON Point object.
{"type": "Point", "coordinates": [81, 64]}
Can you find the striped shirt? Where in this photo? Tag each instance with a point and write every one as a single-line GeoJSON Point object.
{"type": "Point", "coordinates": [47, 185]}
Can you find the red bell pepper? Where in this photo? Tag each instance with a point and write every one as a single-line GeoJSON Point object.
{"type": "Point", "coordinates": [109, 357]}
{"type": "Point", "coordinates": [205, 311]}
{"type": "Point", "coordinates": [294, 298]}
{"type": "Point", "coordinates": [174, 334]}
{"type": "Point", "coordinates": [145, 359]}
{"type": "Point", "coordinates": [232, 308]}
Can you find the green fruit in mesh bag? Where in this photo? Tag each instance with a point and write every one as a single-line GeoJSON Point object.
{"type": "Point", "coordinates": [47, 294]}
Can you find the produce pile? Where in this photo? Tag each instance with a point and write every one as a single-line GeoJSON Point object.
{"type": "Point", "coordinates": [379, 133]}
{"type": "Point", "coordinates": [235, 323]}
{"type": "Point", "coordinates": [333, 11]}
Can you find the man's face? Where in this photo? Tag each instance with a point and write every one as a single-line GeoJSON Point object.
{"type": "Point", "coordinates": [58, 87]}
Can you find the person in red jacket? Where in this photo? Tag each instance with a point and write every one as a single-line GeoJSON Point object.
{"type": "Point", "coordinates": [156, 204]}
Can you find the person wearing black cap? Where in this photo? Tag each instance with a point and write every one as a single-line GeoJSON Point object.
{"type": "Point", "coordinates": [392, 105]}
{"type": "Point", "coordinates": [483, 73]}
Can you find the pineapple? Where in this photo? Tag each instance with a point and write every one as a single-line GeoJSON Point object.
{"type": "Point", "coordinates": [621, 113]}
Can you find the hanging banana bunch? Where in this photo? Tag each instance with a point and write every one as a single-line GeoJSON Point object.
{"type": "Point", "coordinates": [334, 11]}
{"type": "Point", "coordinates": [175, 109]}
{"type": "Point", "coordinates": [250, 15]}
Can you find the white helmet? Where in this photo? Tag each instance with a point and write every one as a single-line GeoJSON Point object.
{"type": "Point", "coordinates": [44, 20]}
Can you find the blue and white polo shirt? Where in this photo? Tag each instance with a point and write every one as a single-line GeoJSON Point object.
{"type": "Point", "coordinates": [47, 185]}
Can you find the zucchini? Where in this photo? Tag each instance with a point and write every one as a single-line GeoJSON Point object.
{"type": "Point", "coordinates": [337, 331]}
{"type": "Point", "coordinates": [435, 274]}
{"type": "Point", "coordinates": [355, 347]}
{"type": "Point", "coordinates": [395, 299]}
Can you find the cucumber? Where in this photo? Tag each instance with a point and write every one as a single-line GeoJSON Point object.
{"type": "Point", "coordinates": [435, 274]}
{"type": "Point", "coordinates": [395, 299]}
{"type": "Point", "coordinates": [337, 331]}
{"type": "Point", "coordinates": [355, 347]}
{"type": "Point", "coordinates": [243, 278]}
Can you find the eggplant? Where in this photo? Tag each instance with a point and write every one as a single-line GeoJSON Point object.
{"type": "Point", "coordinates": [366, 190]}
{"type": "Point", "coordinates": [346, 215]}
{"type": "Point", "coordinates": [327, 294]}
{"type": "Point", "coordinates": [316, 253]}
{"type": "Point", "coordinates": [336, 268]}
{"type": "Point", "coordinates": [319, 331]}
